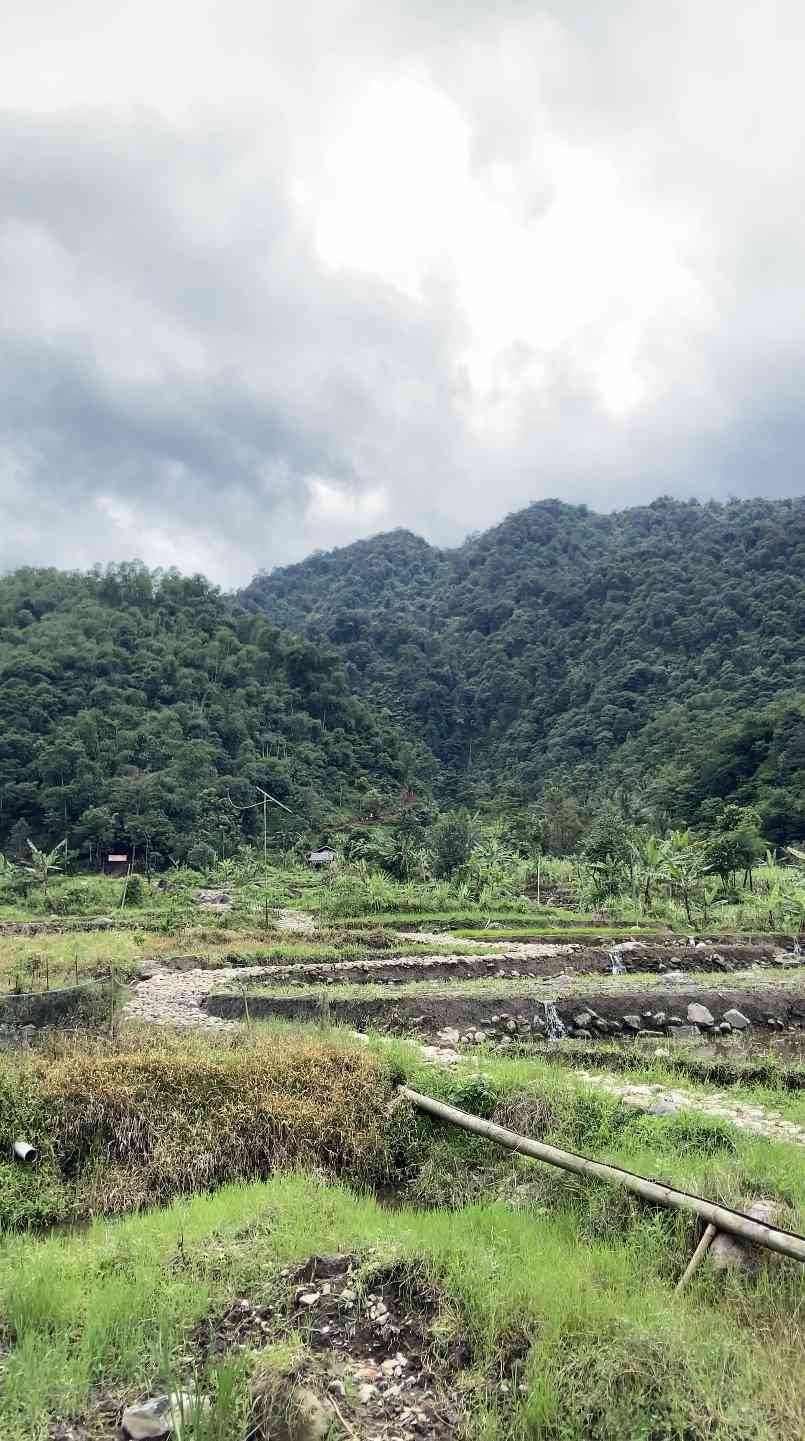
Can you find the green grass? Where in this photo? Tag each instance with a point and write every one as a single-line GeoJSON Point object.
{"type": "Point", "coordinates": [606, 1350]}
{"type": "Point", "coordinates": [756, 1068]}
{"type": "Point", "coordinates": [572, 1277]}
{"type": "Point", "coordinates": [448, 920]}
{"type": "Point", "coordinates": [530, 989]}
{"type": "Point", "coordinates": [48, 961]}
{"type": "Point", "coordinates": [548, 933]}
{"type": "Point", "coordinates": [775, 1090]}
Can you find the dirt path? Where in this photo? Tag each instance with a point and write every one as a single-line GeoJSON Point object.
{"type": "Point", "coordinates": [512, 948]}
{"type": "Point", "coordinates": [173, 998]}
{"type": "Point", "coordinates": [296, 921]}
{"type": "Point", "coordinates": [662, 1100]}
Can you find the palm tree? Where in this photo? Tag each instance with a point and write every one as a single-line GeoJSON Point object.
{"type": "Point", "coordinates": [44, 863]}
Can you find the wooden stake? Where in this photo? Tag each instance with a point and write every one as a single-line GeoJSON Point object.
{"type": "Point", "coordinates": [705, 1242]}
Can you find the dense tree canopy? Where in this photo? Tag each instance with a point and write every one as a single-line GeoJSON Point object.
{"type": "Point", "coordinates": [659, 650]}
{"type": "Point", "coordinates": [654, 657]}
{"type": "Point", "coordinates": [143, 707]}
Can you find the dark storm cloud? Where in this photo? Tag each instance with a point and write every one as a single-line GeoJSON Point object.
{"type": "Point", "coordinates": [201, 368]}
{"type": "Point", "coordinates": [608, 305]}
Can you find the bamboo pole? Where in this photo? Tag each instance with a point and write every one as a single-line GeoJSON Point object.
{"type": "Point", "coordinates": [705, 1242]}
{"type": "Point", "coordinates": [787, 1243]}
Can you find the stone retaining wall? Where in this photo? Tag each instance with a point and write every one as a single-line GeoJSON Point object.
{"type": "Point", "coordinates": [682, 1014]}
{"type": "Point", "coordinates": [73, 1006]}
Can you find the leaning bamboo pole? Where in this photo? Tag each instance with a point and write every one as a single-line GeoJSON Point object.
{"type": "Point", "coordinates": [787, 1243]}
{"type": "Point", "coordinates": [708, 1237]}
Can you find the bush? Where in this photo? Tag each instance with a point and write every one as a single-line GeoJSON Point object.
{"type": "Point", "coordinates": [87, 896]}
{"type": "Point", "coordinates": [135, 890]}
{"type": "Point", "coordinates": [451, 840]}
{"type": "Point", "coordinates": [201, 857]}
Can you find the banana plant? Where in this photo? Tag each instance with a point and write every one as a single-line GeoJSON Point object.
{"type": "Point", "coordinates": [650, 857]}
{"type": "Point", "coordinates": [685, 867]}
{"type": "Point", "coordinates": [44, 863]}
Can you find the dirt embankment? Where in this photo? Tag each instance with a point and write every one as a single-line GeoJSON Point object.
{"type": "Point", "coordinates": [515, 962]}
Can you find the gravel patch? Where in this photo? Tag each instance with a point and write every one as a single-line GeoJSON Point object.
{"type": "Point", "coordinates": [660, 1099]}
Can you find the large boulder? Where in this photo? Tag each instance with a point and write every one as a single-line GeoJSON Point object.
{"type": "Point", "coordinates": [699, 1015]}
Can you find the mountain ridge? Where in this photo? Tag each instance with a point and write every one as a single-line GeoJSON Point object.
{"type": "Point", "coordinates": [566, 646]}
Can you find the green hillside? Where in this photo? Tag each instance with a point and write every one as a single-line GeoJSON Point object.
{"type": "Point", "coordinates": [140, 706]}
{"type": "Point", "coordinates": [659, 649]}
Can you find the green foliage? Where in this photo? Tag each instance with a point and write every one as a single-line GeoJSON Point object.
{"type": "Point", "coordinates": [563, 654]}
{"type": "Point", "coordinates": [201, 857]}
{"type": "Point", "coordinates": [142, 709]}
{"type": "Point", "coordinates": [450, 840]}
{"type": "Point", "coordinates": [560, 661]}
{"type": "Point", "coordinates": [44, 864]}
{"type": "Point", "coordinates": [135, 890]}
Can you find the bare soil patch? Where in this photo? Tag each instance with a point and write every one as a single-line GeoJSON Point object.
{"type": "Point", "coordinates": [364, 1350]}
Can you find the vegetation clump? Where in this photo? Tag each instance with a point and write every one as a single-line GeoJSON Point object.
{"type": "Point", "coordinates": [137, 1121]}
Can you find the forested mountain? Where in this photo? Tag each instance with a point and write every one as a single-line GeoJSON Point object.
{"type": "Point", "coordinates": [660, 649]}
{"type": "Point", "coordinates": [657, 654]}
{"type": "Point", "coordinates": [143, 708]}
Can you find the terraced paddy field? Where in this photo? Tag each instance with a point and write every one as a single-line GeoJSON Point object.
{"type": "Point", "coordinates": [275, 1235]}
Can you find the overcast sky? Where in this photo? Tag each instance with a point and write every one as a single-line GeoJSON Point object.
{"type": "Point", "coordinates": [277, 274]}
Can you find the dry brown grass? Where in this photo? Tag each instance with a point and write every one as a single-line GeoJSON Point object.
{"type": "Point", "coordinates": [147, 1118]}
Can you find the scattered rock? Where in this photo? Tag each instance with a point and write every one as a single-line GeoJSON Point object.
{"type": "Point", "coordinates": [699, 1015]}
{"type": "Point", "coordinates": [633, 1022]}
{"type": "Point", "coordinates": [214, 900]}
{"type": "Point", "coordinates": [737, 1020]}
{"type": "Point", "coordinates": [148, 1419]}
{"type": "Point", "coordinates": [732, 1253]}
{"type": "Point", "coordinates": [583, 1018]}
{"type": "Point", "coordinates": [684, 1033]}
{"type": "Point", "coordinates": [162, 1415]}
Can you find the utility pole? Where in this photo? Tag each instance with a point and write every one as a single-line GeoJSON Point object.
{"type": "Point", "coordinates": [274, 802]}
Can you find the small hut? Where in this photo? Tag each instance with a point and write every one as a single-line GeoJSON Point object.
{"type": "Point", "coordinates": [116, 864]}
{"type": "Point", "coordinates": [321, 858]}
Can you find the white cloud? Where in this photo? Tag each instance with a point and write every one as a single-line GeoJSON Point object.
{"type": "Point", "coordinates": [277, 276]}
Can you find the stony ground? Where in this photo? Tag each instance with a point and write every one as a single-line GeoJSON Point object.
{"type": "Point", "coordinates": [663, 1100]}
{"type": "Point", "coordinates": [364, 1364]}
{"type": "Point", "coordinates": [174, 998]}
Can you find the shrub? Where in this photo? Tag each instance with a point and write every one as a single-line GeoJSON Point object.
{"type": "Point", "coordinates": [201, 857]}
